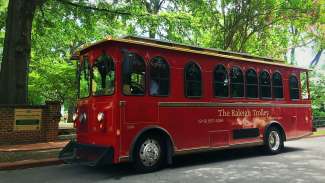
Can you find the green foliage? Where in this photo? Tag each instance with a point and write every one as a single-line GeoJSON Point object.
{"type": "Point", "coordinates": [317, 90]}
{"type": "Point", "coordinates": [52, 80]}
{"type": "Point", "coordinates": [258, 27]}
{"type": "Point", "coordinates": [3, 8]}
{"type": "Point", "coordinates": [3, 4]}
{"type": "Point", "coordinates": [58, 30]}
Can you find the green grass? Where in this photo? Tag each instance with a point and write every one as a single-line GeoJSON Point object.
{"type": "Point", "coordinates": [319, 133]}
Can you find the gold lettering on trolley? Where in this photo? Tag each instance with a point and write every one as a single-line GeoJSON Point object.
{"type": "Point", "coordinates": [210, 121]}
{"type": "Point", "coordinates": [243, 117]}
{"type": "Point", "coordinates": [243, 113]}
{"type": "Point", "coordinates": [261, 113]}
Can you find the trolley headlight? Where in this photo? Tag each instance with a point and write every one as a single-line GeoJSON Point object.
{"type": "Point", "coordinates": [83, 117]}
{"type": "Point", "coordinates": [100, 116]}
{"type": "Point", "coordinates": [74, 116]}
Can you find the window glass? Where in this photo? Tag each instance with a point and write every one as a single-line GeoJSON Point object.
{"type": "Point", "coordinates": [237, 82]}
{"type": "Point", "coordinates": [294, 88]}
{"type": "Point", "coordinates": [277, 85]}
{"type": "Point", "coordinates": [133, 74]}
{"type": "Point", "coordinates": [221, 81]}
{"type": "Point", "coordinates": [84, 77]}
{"type": "Point", "coordinates": [251, 84]}
{"type": "Point", "coordinates": [103, 76]}
{"type": "Point", "coordinates": [193, 82]}
{"type": "Point", "coordinates": [159, 77]}
{"type": "Point", "coordinates": [265, 85]}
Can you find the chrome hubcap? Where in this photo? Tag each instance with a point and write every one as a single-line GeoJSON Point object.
{"type": "Point", "coordinates": [149, 152]}
{"type": "Point", "coordinates": [274, 140]}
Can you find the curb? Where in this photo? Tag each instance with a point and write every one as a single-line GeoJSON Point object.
{"type": "Point", "coordinates": [312, 136]}
{"type": "Point", "coordinates": [29, 147]}
{"type": "Point", "coordinates": [29, 150]}
{"type": "Point", "coordinates": [29, 164]}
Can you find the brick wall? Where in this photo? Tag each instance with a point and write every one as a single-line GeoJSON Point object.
{"type": "Point", "coordinates": [48, 130]}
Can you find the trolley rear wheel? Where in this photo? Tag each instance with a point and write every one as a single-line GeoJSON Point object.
{"type": "Point", "coordinates": [273, 141]}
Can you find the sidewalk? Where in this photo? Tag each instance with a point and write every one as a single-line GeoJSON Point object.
{"type": "Point", "coordinates": [33, 147]}
{"type": "Point", "coordinates": [30, 155]}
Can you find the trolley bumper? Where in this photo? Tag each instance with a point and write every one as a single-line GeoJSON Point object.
{"type": "Point", "coordinates": [87, 154]}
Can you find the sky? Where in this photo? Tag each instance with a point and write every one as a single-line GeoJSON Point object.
{"type": "Point", "coordinates": [304, 55]}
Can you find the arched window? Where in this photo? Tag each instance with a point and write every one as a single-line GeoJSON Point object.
{"type": "Point", "coordinates": [277, 85]}
{"type": "Point", "coordinates": [265, 85]}
{"type": "Point", "coordinates": [159, 77]}
{"type": "Point", "coordinates": [294, 87]}
{"type": "Point", "coordinates": [133, 74]}
{"type": "Point", "coordinates": [103, 75]}
{"type": "Point", "coordinates": [251, 84]}
{"type": "Point", "coordinates": [237, 82]}
{"type": "Point", "coordinates": [193, 80]}
{"type": "Point", "coordinates": [84, 78]}
{"type": "Point", "coordinates": [221, 81]}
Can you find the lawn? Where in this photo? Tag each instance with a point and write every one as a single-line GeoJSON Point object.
{"type": "Point", "coordinates": [319, 132]}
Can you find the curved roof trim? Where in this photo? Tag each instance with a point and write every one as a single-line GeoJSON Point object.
{"type": "Point", "coordinates": [185, 48]}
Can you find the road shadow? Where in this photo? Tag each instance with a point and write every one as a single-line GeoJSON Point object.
{"type": "Point", "coordinates": [224, 155]}
{"type": "Point", "coordinates": [123, 170]}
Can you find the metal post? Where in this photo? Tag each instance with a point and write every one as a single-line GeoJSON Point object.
{"type": "Point", "coordinates": [308, 91]}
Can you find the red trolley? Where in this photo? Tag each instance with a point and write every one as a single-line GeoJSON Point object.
{"type": "Point", "coordinates": [145, 101]}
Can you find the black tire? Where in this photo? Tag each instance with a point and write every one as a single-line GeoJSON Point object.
{"type": "Point", "coordinates": [273, 141]}
{"type": "Point", "coordinates": [152, 164]}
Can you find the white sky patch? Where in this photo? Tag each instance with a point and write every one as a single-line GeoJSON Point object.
{"type": "Point", "coordinates": [304, 55]}
{"type": "Point", "coordinates": [78, 22]}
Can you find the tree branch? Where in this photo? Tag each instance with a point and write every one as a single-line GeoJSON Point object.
{"type": "Point", "coordinates": [88, 7]}
{"type": "Point", "coordinates": [315, 61]}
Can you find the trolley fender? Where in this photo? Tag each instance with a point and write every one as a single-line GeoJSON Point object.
{"type": "Point", "coordinates": [274, 123]}
{"type": "Point", "coordinates": [169, 142]}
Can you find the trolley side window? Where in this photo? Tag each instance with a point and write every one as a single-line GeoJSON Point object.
{"type": "Point", "coordinates": [277, 85]}
{"type": "Point", "coordinates": [251, 84]}
{"type": "Point", "coordinates": [237, 82]}
{"type": "Point", "coordinates": [133, 74]}
{"type": "Point", "coordinates": [159, 77]}
{"type": "Point", "coordinates": [221, 81]}
{"type": "Point", "coordinates": [294, 87]}
{"type": "Point", "coordinates": [103, 76]}
{"type": "Point", "coordinates": [265, 85]}
{"type": "Point", "coordinates": [193, 80]}
{"type": "Point", "coordinates": [84, 78]}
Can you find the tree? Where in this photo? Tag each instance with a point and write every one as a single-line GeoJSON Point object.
{"type": "Point", "coordinates": [16, 51]}
{"type": "Point", "coordinates": [60, 26]}
{"type": "Point", "coordinates": [317, 90]}
{"type": "Point", "coordinates": [52, 75]}
{"type": "Point", "coordinates": [153, 7]}
{"type": "Point", "coordinates": [3, 7]}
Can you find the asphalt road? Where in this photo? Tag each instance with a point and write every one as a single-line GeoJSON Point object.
{"type": "Point", "coordinates": [302, 161]}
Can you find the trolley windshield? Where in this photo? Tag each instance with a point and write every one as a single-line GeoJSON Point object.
{"type": "Point", "coordinates": [96, 79]}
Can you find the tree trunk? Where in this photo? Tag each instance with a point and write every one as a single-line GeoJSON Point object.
{"type": "Point", "coordinates": [153, 7]}
{"type": "Point", "coordinates": [315, 61]}
{"type": "Point", "coordinates": [71, 110]}
{"type": "Point", "coordinates": [293, 56]}
{"type": "Point", "coordinates": [16, 52]}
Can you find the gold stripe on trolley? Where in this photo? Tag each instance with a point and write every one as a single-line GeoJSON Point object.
{"type": "Point", "coordinates": [217, 104]}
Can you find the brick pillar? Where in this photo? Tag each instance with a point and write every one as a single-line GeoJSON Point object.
{"type": "Point", "coordinates": [6, 125]}
{"type": "Point", "coordinates": [50, 121]}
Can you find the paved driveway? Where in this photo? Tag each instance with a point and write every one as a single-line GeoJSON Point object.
{"type": "Point", "coordinates": [302, 161]}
